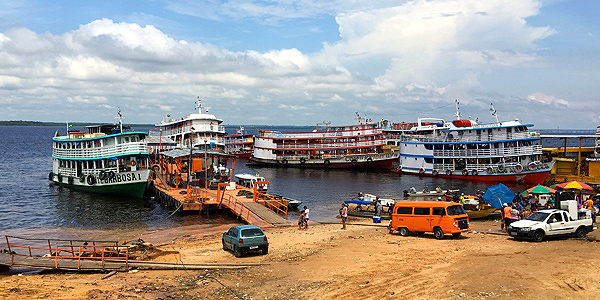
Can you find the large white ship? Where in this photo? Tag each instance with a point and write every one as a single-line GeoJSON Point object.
{"type": "Point", "coordinates": [199, 130]}
{"type": "Point", "coordinates": [352, 146]}
{"type": "Point", "coordinates": [103, 159]}
{"type": "Point", "coordinates": [499, 152]}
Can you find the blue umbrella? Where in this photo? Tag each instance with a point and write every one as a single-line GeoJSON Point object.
{"type": "Point", "coordinates": [497, 195]}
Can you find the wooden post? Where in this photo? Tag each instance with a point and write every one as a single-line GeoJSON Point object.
{"type": "Point", "coordinates": [579, 159]}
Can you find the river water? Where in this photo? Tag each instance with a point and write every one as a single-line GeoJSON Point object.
{"type": "Point", "coordinates": [30, 206]}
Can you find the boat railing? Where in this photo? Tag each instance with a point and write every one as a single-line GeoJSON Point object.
{"type": "Point", "coordinates": [377, 142]}
{"type": "Point", "coordinates": [453, 137]}
{"type": "Point", "coordinates": [229, 201]}
{"type": "Point", "coordinates": [347, 156]}
{"type": "Point", "coordinates": [509, 166]}
{"type": "Point", "coordinates": [102, 152]}
{"type": "Point", "coordinates": [524, 150]}
{"type": "Point", "coordinates": [60, 249]}
{"type": "Point", "coordinates": [321, 134]}
{"type": "Point", "coordinates": [274, 203]}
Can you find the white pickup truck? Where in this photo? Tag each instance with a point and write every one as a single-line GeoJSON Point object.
{"type": "Point", "coordinates": [549, 222]}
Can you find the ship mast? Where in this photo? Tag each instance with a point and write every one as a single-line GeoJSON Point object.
{"type": "Point", "coordinates": [457, 109]}
{"type": "Point", "coordinates": [120, 117]}
{"type": "Point", "coordinates": [494, 112]}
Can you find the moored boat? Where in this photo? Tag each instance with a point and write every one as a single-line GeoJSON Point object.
{"type": "Point", "coordinates": [103, 159]}
{"type": "Point", "coordinates": [356, 146]}
{"type": "Point", "coordinates": [464, 149]}
{"type": "Point", "coordinates": [240, 144]}
{"type": "Point", "coordinates": [482, 213]}
{"type": "Point", "coordinates": [249, 180]}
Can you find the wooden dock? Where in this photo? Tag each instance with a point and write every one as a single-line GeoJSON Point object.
{"type": "Point", "coordinates": [255, 211]}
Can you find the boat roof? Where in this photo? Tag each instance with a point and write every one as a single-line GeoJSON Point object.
{"type": "Point", "coordinates": [176, 153]}
{"type": "Point", "coordinates": [64, 138]}
{"type": "Point", "coordinates": [247, 176]}
{"type": "Point", "coordinates": [194, 116]}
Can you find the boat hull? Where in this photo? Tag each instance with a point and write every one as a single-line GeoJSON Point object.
{"type": "Point", "coordinates": [379, 161]}
{"type": "Point", "coordinates": [130, 184]}
{"type": "Point", "coordinates": [530, 177]}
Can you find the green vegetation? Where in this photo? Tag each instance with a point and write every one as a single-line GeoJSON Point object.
{"type": "Point", "coordinates": [38, 123]}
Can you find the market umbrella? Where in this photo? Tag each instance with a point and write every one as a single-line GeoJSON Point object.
{"type": "Point", "coordinates": [497, 195]}
{"type": "Point", "coordinates": [574, 185]}
{"type": "Point", "coordinates": [538, 189]}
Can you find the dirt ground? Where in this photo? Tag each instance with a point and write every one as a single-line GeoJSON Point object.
{"type": "Point", "coordinates": [363, 262]}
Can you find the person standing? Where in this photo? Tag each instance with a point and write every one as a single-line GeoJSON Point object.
{"type": "Point", "coordinates": [301, 221]}
{"type": "Point", "coordinates": [344, 215]}
{"type": "Point", "coordinates": [378, 207]}
{"type": "Point", "coordinates": [506, 214]}
{"type": "Point", "coordinates": [306, 216]}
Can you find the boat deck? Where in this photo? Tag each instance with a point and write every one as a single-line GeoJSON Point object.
{"type": "Point", "coordinates": [262, 213]}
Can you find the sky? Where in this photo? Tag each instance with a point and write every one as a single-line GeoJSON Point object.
{"type": "Point", "coordinates": [301, 62]}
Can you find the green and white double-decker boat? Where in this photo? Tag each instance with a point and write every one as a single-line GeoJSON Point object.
{"type": "Point", "coordinates": [103, 159]}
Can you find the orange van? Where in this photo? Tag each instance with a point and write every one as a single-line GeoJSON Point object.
{"type": "Point", "coordinates": [439, 217]}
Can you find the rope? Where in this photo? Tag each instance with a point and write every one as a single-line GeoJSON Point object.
{"type": "Point", "coordinates": [178, 207]}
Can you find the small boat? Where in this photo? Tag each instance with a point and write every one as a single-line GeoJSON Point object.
{"type": "Point", "coordinates": [429, 193]}
{"type": "Point", "coordinates": [476, 214]}
{"type": "Point", "coordinates": [293, 204]}
{"type": "Point", "coordinates": [249, 180]}
{"type": "Point", "coordinates": [365, 207]}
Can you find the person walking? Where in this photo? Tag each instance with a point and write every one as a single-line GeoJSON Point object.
{"type": "Point", "coordinates": [344, 215]}
{"type": "Point", "coordinates": [306, 216]}
{"type": "Point", "coordinates": [301, 221]}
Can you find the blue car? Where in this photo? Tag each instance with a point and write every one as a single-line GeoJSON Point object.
{"type": "Point", "coordinates": [245, 238]}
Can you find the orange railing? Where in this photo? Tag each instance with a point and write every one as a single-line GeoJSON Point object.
{"type": "Point", "coordinates": [86, 250]}
{"type": "Point", "coordinates": [273, 203]}
{"type": "Point", "coordinates": [236, 206]}
{"type": "Point", "coordinates": [196, 193]}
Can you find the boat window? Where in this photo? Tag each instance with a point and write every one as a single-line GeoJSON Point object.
{"type": "Point", "coordinates": [438, 211]}
{"type": "Point", "coordinates": [404, 211]}
{"type": "Point", "coordinates": [422, 211]}
{"type": "Point", "coordinates": [455, 210]}
{"type": "Point", "coordinates": [429, 146]}
{"type": "Point", "coordinates": [429, 160]}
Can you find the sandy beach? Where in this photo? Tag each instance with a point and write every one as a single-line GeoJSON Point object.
{"type": "Point", "coordinates": [363, 262]}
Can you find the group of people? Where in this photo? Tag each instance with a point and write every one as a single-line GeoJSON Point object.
{"type": "Point", "coordinates": [303, 219]}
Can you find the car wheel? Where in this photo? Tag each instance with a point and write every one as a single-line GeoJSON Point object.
{"type": "Point", "coordinates": [438, 233]}
{"type": "Point", "coordinates": [456, 234]}
{"type": "Point", "coordinates": [404, 231]}
{"type": "Point", "coordinates": [538, 236]}
{"type": "Point", "coordinates": [237, 252]}
{"type": "Point", "coordinates": [265, 250]}
{"type": "Point", "coordinates": [224, 246]}
{"type": "Point", "coordinates": [580, 233]}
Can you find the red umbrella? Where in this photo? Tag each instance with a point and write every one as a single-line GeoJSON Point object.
{"type": "Point", "coordinates": [574, 185]}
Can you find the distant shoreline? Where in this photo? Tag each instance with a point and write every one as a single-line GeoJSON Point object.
{"type": "Point", "coordinates": [80, 124]}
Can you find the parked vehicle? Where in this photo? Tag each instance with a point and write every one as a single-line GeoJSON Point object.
{"type": "Point", "coordinates": [245, 238]}
{"type": "Point", "coordinates": [550, 222]}
{"type": "Point", "coordinates": [439, 217]}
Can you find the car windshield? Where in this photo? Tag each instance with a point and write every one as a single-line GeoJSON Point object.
{"type": "Point", "coordinates": [455, 210]}
{"type": "Point", "coordinates": [252, 232]}
{"type": "Point", "coordinates": [537, 216]}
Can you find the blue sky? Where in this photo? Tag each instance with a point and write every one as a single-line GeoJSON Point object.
{"type": "Point", "coordinates": [301, 62]}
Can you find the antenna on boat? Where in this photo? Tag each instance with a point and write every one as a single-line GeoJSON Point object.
{"type": "Point", "coordinates": [120, 117]}
{"type": "Point", "coordinates": [357, 118]}
{"type": "Point", "coordinates": [457, 109]}
{"type": "Point", "coordinates": [198, 105]}
{"type": "Point", "coordinates": [494, 112]}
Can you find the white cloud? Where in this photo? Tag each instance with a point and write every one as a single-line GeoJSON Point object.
{"type": "Point", "coordinates": [547, 99]}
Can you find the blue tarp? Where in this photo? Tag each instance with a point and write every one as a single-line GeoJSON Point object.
{"type": "Point", "coordinates": [358, 202]}
{"type": "Point", "coordinates": [498, 194]}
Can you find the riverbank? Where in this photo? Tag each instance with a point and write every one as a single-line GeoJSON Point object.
{"type": "Point", "coordinates": [363, 262]}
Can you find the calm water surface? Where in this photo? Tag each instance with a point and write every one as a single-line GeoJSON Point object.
{"type": "Point", "coordinates": [30, 206]}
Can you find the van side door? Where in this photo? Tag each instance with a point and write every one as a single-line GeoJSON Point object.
{"type": "Point", "coordinates": [402, 217]}
{"type": "Point", "coordinates": [422, 219]}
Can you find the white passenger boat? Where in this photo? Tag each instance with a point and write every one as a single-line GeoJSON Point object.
{"type": "Point", "coordinates": [103, 159]}
{"type": "Point", "coordinates": [497, 152]}
{"type": "Point", "coordinates": [198, 130]}
{"type": "Point", "coordinates": [355, 146]}
{"type": "Point", "coordinates": [249, 180]}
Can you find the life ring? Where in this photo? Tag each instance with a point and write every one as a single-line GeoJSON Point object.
{"type": "Point", "coordinates": [284, 162]}
{"type": "Point", "coordinates": [421, 171]}
{"type": "Point", "coordinates": [546, 166]}
{"type": "Point", "coordinates": [111, 175]}
{"type": "Point", "coordinates": [465, 172]}
{"type": "Point", "coordinates": [434, 172]}
{"type": "Point", "coordinates": [356, 128]}
{"type": "Point", "coordinates": [91, 180]}
{"type": "Point", "coordinates": [326, 162]}
{"type": "Point", "coordinates": [474, 172]}
{"type": "Point", "coordinates": [50, 176]}
{"type": "Point", "coordinates": [518, 168]}
{"type": "Point", "coordinates": [489, 170]}
{"type": "Point", "coordinates": [448, 172]}
{"type": "Point", "coordinates": [71, 180]}
{"type": "Point", "coordinates": [156, 168]}
{"type": "Point", "coordinates": [82, 179]}
{"type": "Point", "coordinates": [102, 175]}
{"type": "Point", "coordinates": [369, 160]}
{"type": "Point", "coordinates": [501, 168]}
{"type": "Point", "coordinates": [532, 166]}
{"type": "Point", "coordinates": [302, 160]}
{"type": "Point", "coordinates": [59, 178]}
{"type": "Point", "coordinates": [176, 182]}
{"type": "Point", "coordinates": [132, 163]}
{"type": "Point", "coordinates": [354, 161]}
